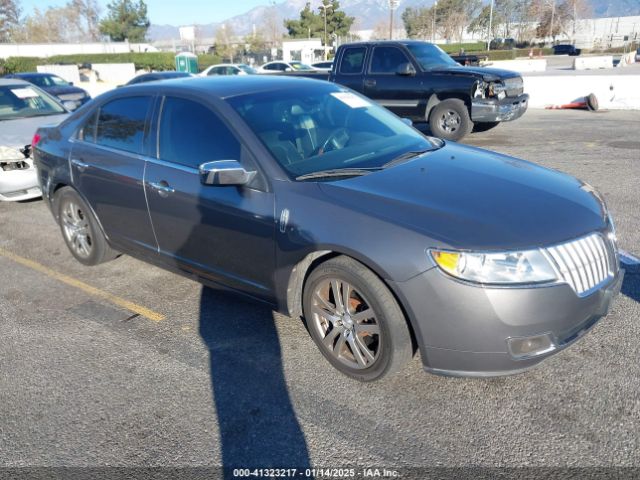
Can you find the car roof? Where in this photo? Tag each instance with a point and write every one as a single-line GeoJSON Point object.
{"type": "Point", "coordinates": [33, 74]}
{"type": "Point", "coordinates": [386, 42]}
{"type": "Point", "coordinates": [229, 86]}
{"type": "Point", "coordinates": [13, 81]}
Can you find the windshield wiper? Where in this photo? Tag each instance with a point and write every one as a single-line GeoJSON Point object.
{"type": "Point", "coordinates": [338, 172]}
{"type": "Point", "coordinates": [407, 156]}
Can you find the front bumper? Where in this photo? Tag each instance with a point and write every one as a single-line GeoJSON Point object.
{"type": "Point", "coordinates": [17, 185]}
{"type": "Point", "coordinates": [464, 329]}
{"type": "Point", "coordinates": [505, 110]}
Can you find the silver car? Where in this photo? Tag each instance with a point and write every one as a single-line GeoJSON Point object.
{"type": "Point", "coordinates": [23, 109]}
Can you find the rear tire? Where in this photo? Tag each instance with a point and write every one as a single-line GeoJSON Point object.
{"type": "Point", "coordinates": [450, 120]}
{"type": "Point", "coordinates": [367, 340]}
{"type": "Point", "coordinates": [80, 229]}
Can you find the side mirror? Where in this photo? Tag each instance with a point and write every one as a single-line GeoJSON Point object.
{"type": "Point", "coordinates": [406, 69]}
{"type": "Point", "coordinates": [407, 121]}
{"type": "Point", "coordinates": [69, 105]}
{"type": "Point", "coordinates": [71, 83]}
{"type": "Point", "coordinates": [225, 172]}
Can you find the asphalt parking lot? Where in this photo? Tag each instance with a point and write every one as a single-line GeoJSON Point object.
{"type": "Point", "coordinates": [125, 364]}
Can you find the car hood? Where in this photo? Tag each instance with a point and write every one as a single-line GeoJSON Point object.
{"type": "Point", "coordinates": [64, 90]}
{"type": "Point", "coordinates": [18, 133]}
{"type": "Point", "coordinates": [465, 197]}
{"type": "Point", "coordinates": [487, 74]}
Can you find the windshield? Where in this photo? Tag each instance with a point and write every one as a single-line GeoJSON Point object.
{"type": "Point", "coordinates": [320, 127]}
{"type": "Point", "coordinates": [23, 101]}
{"type": "Point", "coordinates": [47, 81]}
{"type": "Point", "coordinates": [247, 69]}
{"type": "Point", "coordinates": [298, 66]}
{"type": "Point", "coordinates": [431, 56]}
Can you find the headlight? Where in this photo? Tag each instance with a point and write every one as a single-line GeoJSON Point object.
{"type": "Point", "coordinates": [530, 266]}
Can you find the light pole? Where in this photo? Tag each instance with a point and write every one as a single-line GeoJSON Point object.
{"type": "Point", "coordinates": [393, 4]}
{"type": "Point", "coordinates": [324, 8]}
{"type": "Point", "coordinates": [490, 27]}
{"type": "Point", "coordinates": [433, 25]}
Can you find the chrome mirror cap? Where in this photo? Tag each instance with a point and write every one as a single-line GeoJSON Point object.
{"type": "Point", "coordinates": [225, 172]}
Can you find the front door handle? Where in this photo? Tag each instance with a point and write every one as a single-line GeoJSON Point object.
{"type": "Point", "coordinates": [162, 188]}
{"type": "Point", "coordinates": [79, 164]}
{"type": "Point", "coordinates": [369, 83]}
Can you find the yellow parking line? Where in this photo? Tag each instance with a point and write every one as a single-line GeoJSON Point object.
{"type": "Point", "coordinates": [121, 302]}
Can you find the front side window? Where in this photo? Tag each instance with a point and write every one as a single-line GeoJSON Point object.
{"type": "Point", "coordinates": [352, 60]}
{"type": "Point", "coordinates": [87, 132]}
{"type": "Point", "coordinates": [121, 124]}
{"type": "Point", "coordinates": [190, 134]}
{"type": "Point", "coordinates": [387, 59]}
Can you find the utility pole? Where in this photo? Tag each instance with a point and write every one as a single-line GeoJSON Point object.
{"type": "Point", "coordinates": [393, 4]}
{"type": "Point", "coordinates": [490, 26]}
{"type": "Point", "coordinates": [553, 14]}
{"type": "Point", "coordinates": [324, 8]}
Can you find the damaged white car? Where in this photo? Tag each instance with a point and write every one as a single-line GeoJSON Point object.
{"type": "Point", "coordinates": [23, 109]}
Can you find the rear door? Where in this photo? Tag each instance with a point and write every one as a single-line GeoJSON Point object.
{"type": "Point", "coordinates": [350, 70]}
{"type": "Point", "coordinates": [223, 233]}
{"type": "Point", "coordinates": [402, 94]}
{"type": "Point", "coordinates": [107, 167]}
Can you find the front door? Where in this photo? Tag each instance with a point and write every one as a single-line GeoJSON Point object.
{"type": "Point", "coordinates": [223, 233]}
{"type": "Point", "coordinates": [107, 166]}
{"type": "Point", "coordinates": [402, 94]}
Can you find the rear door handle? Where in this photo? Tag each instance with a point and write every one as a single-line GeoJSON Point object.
{"type": "Point", "coordinates": [369, 83]}
{"type": "Point", "coordinates": [79, 164]}
{"type": "Point", "coordinates": [162, 188]}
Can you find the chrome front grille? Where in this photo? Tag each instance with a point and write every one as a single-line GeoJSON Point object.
{"type": "Point", "coordinates": [72, 97]}
{"type": "Point", "coordinates": [514, 86]}
{"type": "Point", "coordinates": [585, 264]}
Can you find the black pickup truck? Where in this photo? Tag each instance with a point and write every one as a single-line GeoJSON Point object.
{"type": "Point", "coordinates": [418, 80]}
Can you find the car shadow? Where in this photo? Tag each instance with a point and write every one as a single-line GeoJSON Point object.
{"type": "Point", "coordinates": [257, 421]}
{"type": "Point", "coordinates": [631, 284]}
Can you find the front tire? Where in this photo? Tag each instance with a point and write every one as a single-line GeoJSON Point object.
{"type": "Point", "coordinates": [80, 229]}
{"type": "Point", "coordinates": [355, 320]}
{"type": "Point", "coordinates": [450, 120]}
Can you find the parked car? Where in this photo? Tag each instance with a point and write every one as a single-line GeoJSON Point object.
{"type": "Point", "coordinates": [566, 50]}
{"type": "Point", "coordinates": [56, 86]}
{"type": "Point", "coordinates": [323, 66]}
{"type": "Point", "coordinates": [229, 69]}
{"type": "Point", "coordinates": [23, 108]}
{"type": "Point", "coordinates": [279, 67]}
{"type": "Point", "coordinates": [318, 201]}
{"type": "Point", "coordinates": [419, 81]}
{"type": "Point", "coordinates": [156, 76]}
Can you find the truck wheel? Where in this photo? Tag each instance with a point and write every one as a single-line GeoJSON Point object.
{"type": "Point", "coordinates": [80, 230]}
{"type": "Point", "coordinates": [355, 320]}
{"type": "Point", "coordinates": [484, 126]}
{"type": "Point", "coordinates": [450, 120]}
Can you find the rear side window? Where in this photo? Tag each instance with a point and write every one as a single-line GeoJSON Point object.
{"type": "Point", "coordinates": [191, 134]}
{"type": "Point", "coordinates": [352, 60]}
{"type": "Point", "coordinates": [121, 123]}
{"type": "Point", "coordinates": [387, 59]}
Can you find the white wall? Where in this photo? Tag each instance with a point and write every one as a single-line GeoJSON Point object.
{"type": "Point", "coordinates": [69, 72]}
{"type": "Point", "coordinates": [51, 49]}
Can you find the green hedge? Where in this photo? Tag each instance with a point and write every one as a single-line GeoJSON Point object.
{"type": "Point", "coordinates": [512, 54]}
{"type": "Point", "coordinates": [149, 61]}
{"type": "Point", "coordinates": [468, 47]}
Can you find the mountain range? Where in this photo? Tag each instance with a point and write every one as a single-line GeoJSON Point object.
{"type": "Point", "coordinates": [368, 13]}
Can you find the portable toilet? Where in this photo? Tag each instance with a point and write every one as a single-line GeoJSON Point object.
{"type": "Point", "coordinates": [187, 62]}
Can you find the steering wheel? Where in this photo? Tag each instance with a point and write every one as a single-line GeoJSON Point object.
{"type": "Point", "coordinates": [336, 140]}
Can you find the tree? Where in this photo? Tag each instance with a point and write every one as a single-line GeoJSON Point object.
{"type": "Point", "coordinates": [255, 42]}
{"type": "Point", "coordinates": [380, 31]}
{"type": "Point", "coordinates": [126, 20]}
{"type": "Point", "coordinates": [224, 45]}
{"type": "Point", "coordinates": [311, 24]}
{"type": "Point", "coordinates": [85, 16]}
{"type": "Point", "coordinates": [419, 22]}
{"type": "Point", "coordinates": [454, 16]}
{"type": "Point", "coordinates": [9, 19]}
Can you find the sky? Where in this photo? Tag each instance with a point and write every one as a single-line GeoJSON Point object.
{"type": "Point", "coordinates": [161, 12]}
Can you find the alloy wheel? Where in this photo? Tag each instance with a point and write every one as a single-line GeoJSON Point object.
{"type": "Point", "coordinates": [450, 121]}
{"type": "Point", "coordinates": [76, 229]}
{"type": "Point", "coordinates": [346, 323]}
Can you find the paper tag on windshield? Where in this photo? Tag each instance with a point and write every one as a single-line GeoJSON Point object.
{"type": "Point", "coordinates": [354, 101]}
{"type": "Point", "coordinates": [26, 92]}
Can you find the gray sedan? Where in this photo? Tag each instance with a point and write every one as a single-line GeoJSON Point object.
{"type": "Point", "coordinates": [310, 197]}
{"type": "Point", "coordinates": [23, 108]}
